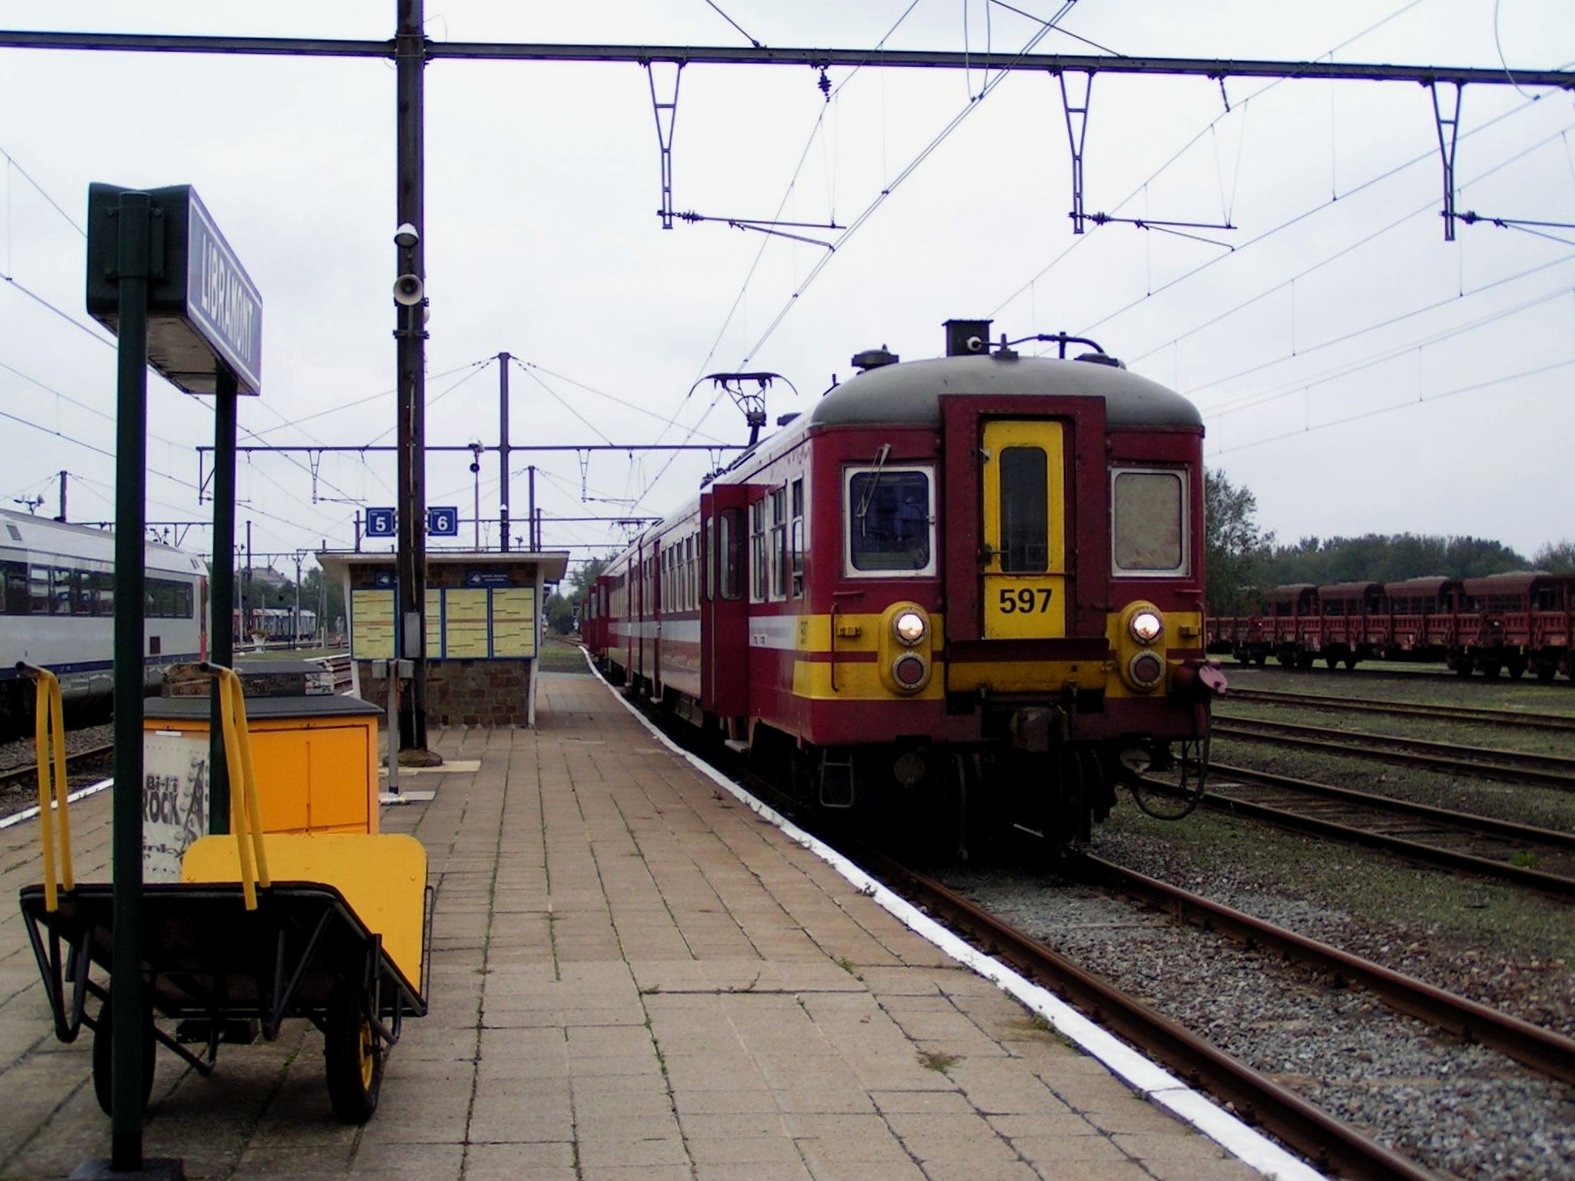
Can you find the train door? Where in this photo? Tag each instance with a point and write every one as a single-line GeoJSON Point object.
{"type": "Point", "coordinates": [724, 608]}
{"type": "Point", "coordinates": [1023, 526]}
{"type": "Point", "coordinates": [643, 577]}
{"type": "Point", "coordinates": [659, 555]}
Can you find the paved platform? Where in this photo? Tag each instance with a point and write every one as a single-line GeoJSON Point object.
{"type": "Point", "coordinates": [634, 977]}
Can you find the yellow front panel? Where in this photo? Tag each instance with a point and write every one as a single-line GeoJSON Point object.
{"type": "Point", "coordinates": [1183, 629]}
{"type": "Point", "coordinates": [383, 879]}
{"type": "Point", "coordinates": [1024, 541]}
{"type": "Point", "coordinates": [1026, 676]}
{"type": "Point", "coordinates": [855, 680]}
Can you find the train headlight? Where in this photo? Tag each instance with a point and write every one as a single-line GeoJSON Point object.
{"type": "Point", "coordinates": [1146, 627]}
{"type": "Point", "coordinates": [910, 671]}
{"type": "Point", "coordinates": [1145, 669]}
{"type": "Point", "coordinates": [910, 628]}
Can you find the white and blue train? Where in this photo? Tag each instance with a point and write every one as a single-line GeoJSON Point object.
{"type": "Point", "coordinates": [57, 609]}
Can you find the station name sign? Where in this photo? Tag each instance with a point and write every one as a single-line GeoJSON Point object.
{"type": "Point", "coordinates": [203, 309]}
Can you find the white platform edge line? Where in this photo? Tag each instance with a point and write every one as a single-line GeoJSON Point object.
{"type": "Point", "coordinates": [81, 793]}
{"type": "Point", "coordinates": [1147, 1078]}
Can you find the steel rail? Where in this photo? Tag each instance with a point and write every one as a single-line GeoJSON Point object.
{"type": "Point", "coordinates": [1541, 1049]}
{"type": "Point", "coordinates": [1466, 713]}
{"type": "Point", "coordinates": [1540, 770]}
{"type": "Point", "coordinates": [30, 770]}
{"type": "Point", "coordinates": [1055, 63]}
{"type": "Point", "coordinates": [1418, 672]}
{"type": "Point", "coordinates": [1331, 1144]}
{"type": "Point", "coordinates": [1477, 825]}
{"type": "Point", "coordinates": [1414, 850]}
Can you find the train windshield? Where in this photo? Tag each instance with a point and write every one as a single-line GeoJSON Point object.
{"type": "Point", "coordinates": [1148, 531]}
{"type": "Point", "coordinates": [890, 515]}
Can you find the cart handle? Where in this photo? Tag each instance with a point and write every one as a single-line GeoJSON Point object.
{"type": "Point", "coordinates": [50, 739]}
{"type": "Point", "coordinates": [245, 811]}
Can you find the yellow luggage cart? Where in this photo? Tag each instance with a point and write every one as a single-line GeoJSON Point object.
{"type": "Point", "coordinates": [332, 927]}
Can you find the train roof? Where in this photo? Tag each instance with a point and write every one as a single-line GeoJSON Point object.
{"type": "Point", "coordinates": [1289, 591]}
{"type": "Point", "coordinates": [1431, 584]}
{"type": "Point", "coordinates": [909, 392]}
{"type": "Point", "coordinates": [1349, 590]}
{"type": "Point", "coordinates": [1508, 584]}
{"type": "Point", "coordinates": [47, 536]}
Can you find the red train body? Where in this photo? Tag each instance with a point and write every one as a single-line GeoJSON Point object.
{"type": "Point", "coordinates": [967, 589]}
{"type": "Point", "coordinates": [1512, 622]}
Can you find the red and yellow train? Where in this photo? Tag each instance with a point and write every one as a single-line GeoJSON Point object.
{"type": "Point", "coordinates": [965, 592]}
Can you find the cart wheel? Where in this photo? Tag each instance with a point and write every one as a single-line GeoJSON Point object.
{"type": "Point", "coordinates": [353, 1057]}
{"type": "Point", "coordinates": [104, 1054]}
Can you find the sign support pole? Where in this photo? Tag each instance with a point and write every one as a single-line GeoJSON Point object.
{"type": "Point", "coordinates": [133, 268]}
{"type": "Point", "coordinates": [221, 590]}
{"type": "Point", "coordinates": [410, 58]}
{"type": "Point", "coordinates": [205, 300]}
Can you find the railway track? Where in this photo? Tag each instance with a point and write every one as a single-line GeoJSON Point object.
{"type": "Point", "coordinates": [1543, 1050]}
{"type": "Point", "coordinates": [1448, 713]}
{"type": "Point", "coordinates": [1334, 1146]}
{"type": "Point", "coordinates": [1505, 766]}
{"type": "Point", "coordinates": [1413, 673]}
{"type": "Point", "coordinates": [78, 764]}
{"type": "Point", "coordinates": [1539, 858]}
{"type": "Point", "coordinates": [339, 665]}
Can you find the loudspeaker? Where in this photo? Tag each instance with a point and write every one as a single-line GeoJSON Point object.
{"type": "Point", "coordinates": [408, 290]}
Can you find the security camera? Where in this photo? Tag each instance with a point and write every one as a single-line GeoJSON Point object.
{"type": "Point", "coordinates": [406, 237]}
{"type": "Point", "coordinates": [408, 290]}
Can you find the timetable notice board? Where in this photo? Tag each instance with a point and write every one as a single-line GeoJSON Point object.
{"type": "Point", "coordinates": [480, 623]}
{"type": "Point", "coordinates": [514, 621]}
{"type": "Point", "coordinates": [372, 624]}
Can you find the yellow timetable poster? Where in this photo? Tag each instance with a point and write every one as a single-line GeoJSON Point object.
{"type": "Point", "coordinates": [514, 621]}
{"type": "Point", "coordinates": [372, 624]}
{"type": "Point", "coordinates": [465, 624]}
{"type": "Point", "coordinates": [434, 633]}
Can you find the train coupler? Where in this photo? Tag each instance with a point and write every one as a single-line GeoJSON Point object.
{"type": "Point", "coordinates": [1036, 728]}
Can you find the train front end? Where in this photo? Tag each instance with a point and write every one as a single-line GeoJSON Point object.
{"type": "Point", "coordinates": [1018, 602]}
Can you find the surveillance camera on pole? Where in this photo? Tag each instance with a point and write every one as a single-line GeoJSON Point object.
{"type": "Point", "coordinates": [407, 237]}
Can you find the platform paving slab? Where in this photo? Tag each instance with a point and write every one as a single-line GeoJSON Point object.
{"type": "Point", "coordinates": [634, 978]}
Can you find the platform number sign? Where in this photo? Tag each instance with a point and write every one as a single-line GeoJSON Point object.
{"type": "Point", "coordinates": [380, 522]}
{"type": "Point", "coordinates": [443, 521]}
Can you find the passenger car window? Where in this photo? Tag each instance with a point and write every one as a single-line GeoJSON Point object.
{"type": "Point", "coordinates": [1148, 524]}
{"type": "Point", "coordinates": [888, 521]}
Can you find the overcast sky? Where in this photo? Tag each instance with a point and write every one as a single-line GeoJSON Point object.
{"type": "Point", "coordinates": [1356, 371]}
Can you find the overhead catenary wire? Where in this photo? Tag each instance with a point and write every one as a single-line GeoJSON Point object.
{"type": "Point", "coordinates": [1240, 106]}
{"type": "Point", "coordinates": [1047, 26]}
{"type": "Point", "coordinates": [1356, 365]}
{"type": "Point", "coordinates": [1328, 258]}
{"type": "Point", "coordinates": [1473, 387]}
{"type": "Point", "coordinates": [1305, 350]}
{"type": "Point", "coordinates": [895, 183]}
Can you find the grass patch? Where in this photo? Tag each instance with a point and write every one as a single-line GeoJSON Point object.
{"type": "Point", "coordinates": [558, 655]}
{"type": "Point", "coordinates": [937, 1061]}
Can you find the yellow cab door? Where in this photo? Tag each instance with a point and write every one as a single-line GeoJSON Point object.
{"type": "Point", "coordinates": [1024, 540]}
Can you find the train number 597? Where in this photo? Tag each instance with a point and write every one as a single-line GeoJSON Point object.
{"type": "Point", "coordinates": [1026, 601]}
